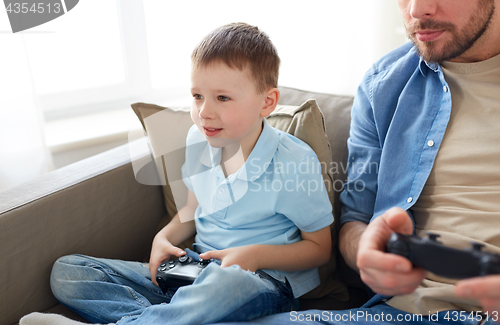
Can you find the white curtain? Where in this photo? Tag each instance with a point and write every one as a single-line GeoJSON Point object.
{"type": "Point", "coordinates": [23, 154]}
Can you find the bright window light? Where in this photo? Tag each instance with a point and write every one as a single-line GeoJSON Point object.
{"type": "Point", "coordinates": [77, 51]}
{"type": "Point", "coordinates": [324, 45]}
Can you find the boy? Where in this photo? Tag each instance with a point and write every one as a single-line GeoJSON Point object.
{"type": "Point", "coordinates": [247, 204]}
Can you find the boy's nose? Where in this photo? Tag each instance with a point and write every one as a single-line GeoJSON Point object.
{"type": "Point", "coordinates": [205, 111]}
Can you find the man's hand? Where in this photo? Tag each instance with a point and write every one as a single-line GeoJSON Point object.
{"type": "Point", "coordinates": [386, 273]}
{"type": "Point", "coordinates": [486, 290]}
{"type": "Point", "coordinates": [243, 256]}
{"type": "Point", "coordinates": [162, 250]}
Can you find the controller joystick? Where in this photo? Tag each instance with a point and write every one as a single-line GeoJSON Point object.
{"type": "Point", "coordinates": [184, 259]}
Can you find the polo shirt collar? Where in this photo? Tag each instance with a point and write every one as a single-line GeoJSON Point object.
{"type": "Point", "coordinates": [260, 157]}
{"type": "Point", "coordinates": [211, 156]}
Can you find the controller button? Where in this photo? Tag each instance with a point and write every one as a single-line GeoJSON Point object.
{"type": "Point", "coordinates": [433, 236]}
{"type": "Point", "coordinates": [477, 246]}
{"type": "Point", "coordinates": [163, 265]}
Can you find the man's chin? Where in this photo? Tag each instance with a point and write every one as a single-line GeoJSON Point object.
{"type": "Point", "coordinates": [430, 51]}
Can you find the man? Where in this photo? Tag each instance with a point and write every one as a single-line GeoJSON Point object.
{"type": "Point", "coordinates": [452, 191]}
{"type": "Point", "coordinates": [423, 145]}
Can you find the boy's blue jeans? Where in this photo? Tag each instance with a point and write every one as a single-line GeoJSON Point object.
{"type": "Point", "coordinates": [110, 291]}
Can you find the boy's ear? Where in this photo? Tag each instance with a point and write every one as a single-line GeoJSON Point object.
{"type": "Point", "coordinates": [272, 97]}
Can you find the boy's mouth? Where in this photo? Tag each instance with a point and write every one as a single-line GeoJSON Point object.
{"type": "Point", "coordinates": [210, 132]}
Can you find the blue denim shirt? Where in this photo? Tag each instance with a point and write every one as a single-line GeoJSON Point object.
{"type": "Point", "coordinates": [399, 118]}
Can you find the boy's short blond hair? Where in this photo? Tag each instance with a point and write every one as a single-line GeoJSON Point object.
{"type": "Point", "coordinates": [240, 45]}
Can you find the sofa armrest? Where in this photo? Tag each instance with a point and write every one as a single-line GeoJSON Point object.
{"type": "Point", "coordinates": [93, 207]}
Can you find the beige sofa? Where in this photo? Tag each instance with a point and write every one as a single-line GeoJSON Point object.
{"type": "Point", "coordinates": [96, 207]}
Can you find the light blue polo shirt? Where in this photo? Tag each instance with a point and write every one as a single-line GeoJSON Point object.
{"type": "Point", "coordinates": [277, 192]}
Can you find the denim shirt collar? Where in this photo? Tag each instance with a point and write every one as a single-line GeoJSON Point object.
{"type": "Point", "coordinates": [424, 65]}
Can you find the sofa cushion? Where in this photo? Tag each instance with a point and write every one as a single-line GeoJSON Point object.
{"type": "Point", "coordinates": [166, 130]}
{"type": "Point", "coordinates": [304, 121]}
{"type": "Point", "coordinates": [336, 111]}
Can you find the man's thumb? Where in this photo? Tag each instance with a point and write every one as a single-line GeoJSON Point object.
{"type": "Point", "coordinates": [398, 220]}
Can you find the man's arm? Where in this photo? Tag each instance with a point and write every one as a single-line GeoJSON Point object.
{"type": "Point", "coordinates": [363, 248]}
{"type": "Point", "coordinates": [349, 237]}
{"type": "Point", "coordinates": [312, 251]}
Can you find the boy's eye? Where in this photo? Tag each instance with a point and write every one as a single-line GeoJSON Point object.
{"type": "Point", "coordinates": [197, 96]}
{"type": "Point", "coordinates": [223, 98]}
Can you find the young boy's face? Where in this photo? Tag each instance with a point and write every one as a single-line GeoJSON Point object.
{"type": "Point", "coordinates": [226, 105]}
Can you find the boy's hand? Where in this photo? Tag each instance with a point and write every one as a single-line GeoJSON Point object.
{"type": "Point", "coordinates": [174, 232]}
{"type": "Point", "coordinates": [161, 251]}
{"type": "Point", "coordinates": [243, 256]}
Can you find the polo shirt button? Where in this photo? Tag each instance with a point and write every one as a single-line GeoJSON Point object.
{"type": "Point", "coordinates": [221, 191]}
{"type": "Point", "coordinates": [430, 143]}
{"type": "Point", "coordinates": [445, 89]}
{"type": "Point", "coordinates": [409, 199]}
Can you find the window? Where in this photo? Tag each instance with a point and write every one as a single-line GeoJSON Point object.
{"type": "Point", "coordinates": [324, 45]}
{"type": "Point", "coordinates": [76, 58]}
{"type": "Point", "coordinates": [108, 54]}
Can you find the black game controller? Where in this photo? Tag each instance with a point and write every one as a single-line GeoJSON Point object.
{"type": "Point", "coordinates": [181, 272]}
{"type": "Point", "coordinates": [453, 263]}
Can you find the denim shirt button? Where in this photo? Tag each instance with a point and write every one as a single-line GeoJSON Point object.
{"type": "Point", "coordinates": [445, 89]}
{"type": "Point", "coordinates": [409, 199]}
{"type": "Point", "coordinates": [430, 143]}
